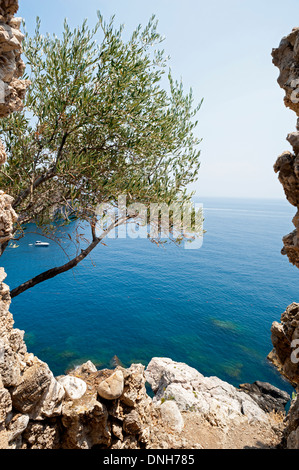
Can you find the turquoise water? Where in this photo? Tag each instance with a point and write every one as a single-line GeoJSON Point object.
{"type": "Point", "coordinates": [211, 308]}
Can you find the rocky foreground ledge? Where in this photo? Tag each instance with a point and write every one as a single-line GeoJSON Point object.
{"type": "Point", "coordinates": [89, 408]}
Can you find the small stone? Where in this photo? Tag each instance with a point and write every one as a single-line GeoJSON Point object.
{"type": "Point", "coordinates": [171, 415]}
{"type": "Point", "coordinates": [74, 387]}
{"type": "Point", "coordinates": [112, 387]}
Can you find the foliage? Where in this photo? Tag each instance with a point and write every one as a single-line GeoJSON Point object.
{"type": "Point", "coordinates": [97, 124]}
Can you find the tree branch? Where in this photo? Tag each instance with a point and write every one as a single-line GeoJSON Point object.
{"type": "Point", "coordinates": [69, 265]}
{"type": "Point", "coordinates": [42, 178]}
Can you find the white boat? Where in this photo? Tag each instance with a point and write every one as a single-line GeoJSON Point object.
{"type": "Point", "coordinates": [39, 243]}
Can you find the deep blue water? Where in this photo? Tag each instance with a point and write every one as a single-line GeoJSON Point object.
{"type": "Point", "coordinates": [211, 308]}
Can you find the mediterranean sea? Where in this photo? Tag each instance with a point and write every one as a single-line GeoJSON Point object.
{"type": "Point", "coordinates": [211, 308]}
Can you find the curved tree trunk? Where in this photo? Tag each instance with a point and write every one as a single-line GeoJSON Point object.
{"type": "Point", "coordinates": [67, 266]}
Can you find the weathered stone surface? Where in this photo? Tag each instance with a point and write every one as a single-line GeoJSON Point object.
{"type": "Point", "coordinates": [5, 404]}
{"type": "Point", "coordinates": [132, 423]}
{"type": "Point", "coordinates": [268, 397]}
{"type": "Point", "coordinates": [171, 415]}
{"type": "Point", "coordinates": [286, 58]}
{"type": "Point", "coordinates": [134, 385]}
{"type": "Point", "coordinates": [7, 217]}
{"type": "Point", "coordinates": [17, 426]}
{"type": "Point", "coordinates": [8, 8]}
{"type": "Point", "coordinates": [113, 387]}
{"type": "Point", "coordinates": [41, 435]}
{"type": "Point", "coordinates": [87, 367]}
{"type": "Point", "coordinates": [85, 424]}
{"type": "Point", "coordinates": [73, 386]}
{"type": "Point", "coordinates": [283, 335]}
{"type": "Point", "coordinates": [12, 94]}
{"type": "Point", "coordinates": [38, 393]}
{"type": "Point", "coordinates": [291, 432]}
{"type": "Point", "coordinates": [11, 65]}
{"type": "Point", "coordinates": [218, 401]}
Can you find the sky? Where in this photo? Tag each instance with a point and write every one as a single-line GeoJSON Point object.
{"type": "Point", "coordinates": [222, 49]}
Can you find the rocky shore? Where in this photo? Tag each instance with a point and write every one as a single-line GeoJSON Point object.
{"type": "Point", "coordinates": [90, 408]}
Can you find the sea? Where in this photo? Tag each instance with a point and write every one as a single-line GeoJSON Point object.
{"type": "Point", "coordinates": [211, 307]}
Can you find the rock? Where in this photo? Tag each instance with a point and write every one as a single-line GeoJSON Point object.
{"type": "Point", "coordinates": [10, 366]}
{"type": "Point", "coordinates": [283, 335]}
{"type": "Point", "coordinates": [291, 432]}
{"type": "Point", "coordinates": [113, 387]}
{"type": "Point", "coordinates": [73, 386]}
{"type": "Point", "coordinates": [85, 424]}
{"type": "Point", "coordinates": [5, 404]}
{"type": "Point", "coordinates": [293, 139]}
{"type": "Point", "coordinates": [17, 426]}
{"type": "Point", "coordinates": [117, 430]}
{"type": "Point", "coordinates": [171, 415]}
{"type": "Point", "coordinates": [132, 423]}
{"type": "Point", "coordinates": [293, 439]}
{"type": "Point", "coordinates": [38, 393]}
{"type": "Point", "coordinates": [129, 442]}
{"type": "Point", "coordinates": [12, 94]}
{"type": "Point", "coordinates": [219, 402]}
{"type": "Point", "coordinates": [87, 367]}
{"type": "Point", "coordinates": [41, 435]}
{"type": "Point", "coordinates": [286, 58]}
{"type": "Point", "coordinates": [7, 216]}
{"type": "Point", "coordinates": [163, 371]}
{"type": "Point", "coordinates": [115, 362]}
{"type": "Point", "coordinates": [268, 397]}
{"type": "Point", "coordinates": [134, 385]}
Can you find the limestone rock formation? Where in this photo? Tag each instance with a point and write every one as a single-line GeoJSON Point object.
{"type": "Point", "coordinates": [88, 408]}
{"type": "Point", "coordinates": [286, 58]}
{"type": "Point", "coordinates": [12, 89]}
{"type": "Point", "coordinates": [285, 356]}
{"type": "Point", "coordinates": [219, 402]}
{"type": "Point", "coordinates": [268, 397]}
{"type": "Point", "coordinates": [285, 335]}
{"type": "Point", "coordinates": [12, 94]}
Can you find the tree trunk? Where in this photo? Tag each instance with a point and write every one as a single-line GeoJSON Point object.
{"type": "Point", "coordinates": [67, 266]}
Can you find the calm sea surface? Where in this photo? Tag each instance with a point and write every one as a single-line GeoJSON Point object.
{"type": "Point", "coordinates": [211, 308]}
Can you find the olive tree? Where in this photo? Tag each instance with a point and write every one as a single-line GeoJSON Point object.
{"type": "Point", "coordinates": [103, 117]}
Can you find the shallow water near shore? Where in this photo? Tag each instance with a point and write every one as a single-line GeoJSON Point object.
{"type": "Point", "coordinates": [211, 308]}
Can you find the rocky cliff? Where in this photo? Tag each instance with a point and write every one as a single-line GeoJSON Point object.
{"type": "Point", "coordinates": [89, 408]}
{"type": "Point", "coordinates": [12, 93]}
{"type": "Point", "coordinates": [12, 89]}
{"type": "Point", "coordinates": [285, 335]}
{"type": "Point", "coordinates": [286, 58]}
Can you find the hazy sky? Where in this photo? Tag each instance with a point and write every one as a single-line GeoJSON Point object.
{"type": "Point", "coordinates": [223, 50]}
